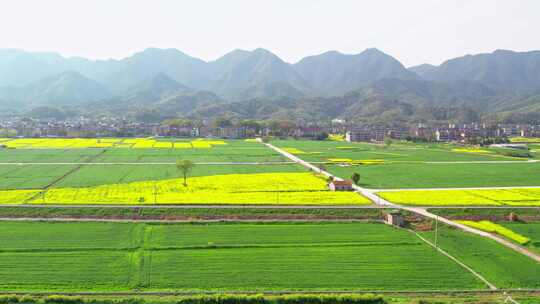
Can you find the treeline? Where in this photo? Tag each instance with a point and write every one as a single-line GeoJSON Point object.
{"type": "Point", "coordinates": [204, 299]}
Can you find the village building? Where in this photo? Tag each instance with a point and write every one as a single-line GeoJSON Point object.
{"type": "Point", "coordinates": [336, 185]}
{"type": "Point", "coordinates": [395, 218]}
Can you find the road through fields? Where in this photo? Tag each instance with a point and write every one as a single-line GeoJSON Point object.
{"type": "Point", "coordinates": [371, 194]}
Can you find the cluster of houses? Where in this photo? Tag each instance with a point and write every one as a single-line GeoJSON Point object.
{"type": "Point", "coordinates": [442, 133]}
{"type": "Point", "coordinates": [120, 127]}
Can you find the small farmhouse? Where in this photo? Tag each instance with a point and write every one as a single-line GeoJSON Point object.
{"type": "Point", "coordinates": [395, 218]}
{"type": "Point", "coordinates": [345, 185]}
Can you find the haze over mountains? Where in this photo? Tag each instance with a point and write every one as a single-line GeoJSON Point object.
{"type": "Point", "coordinates": [258, 84]}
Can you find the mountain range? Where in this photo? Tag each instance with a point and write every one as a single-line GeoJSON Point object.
{"type": "Point", "coordinates": [370, 85]}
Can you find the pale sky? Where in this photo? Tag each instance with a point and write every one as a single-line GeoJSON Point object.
{"type": "Point", "coordinates": [413, 31]}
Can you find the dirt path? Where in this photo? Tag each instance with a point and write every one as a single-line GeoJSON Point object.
{"type": "Point", "coordinates": [151, 163]}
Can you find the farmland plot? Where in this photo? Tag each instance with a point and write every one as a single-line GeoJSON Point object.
{"type": "Point", "coordinates": [416, 165]}
{"type": "Point", "coordinates": [531, 230]}
{"type": "Point", "coordinates": [483, 197]}
{"type": "Point", "coordinates": [224, 257]}
{"type": "Point", "coordinates": [31, 176]}
{"type": "Point", "coordinates": [95, 175]}
{"type": "Point", "coordinates": [261, 188]}
{"type": "Point", "coordinates": [500, 265]}
{"type": "Point", "coordinates": [65, 270]}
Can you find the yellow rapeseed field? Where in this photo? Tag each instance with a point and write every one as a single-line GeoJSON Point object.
{"type": "Point", "coordinates": [488, 226]}
{"type": "Point", "coordinates": [466, 150]}
{"type": "Point", "coordinates": [294, 150]}
{"type": "Point", "coordinates": [480, 197]}
{"type": "Point", "coordinates": [80, 143]}
{"type": "Point", "coordinates": [17, 196]}
{"type": "Point", "coordinates": [525, 140]}
{"type": "Point", "coordinates": [261, 188]}
{"type": "Point", "coordinates": [357, 162]}
{"type": "Point", "coordinates": [336, 137]}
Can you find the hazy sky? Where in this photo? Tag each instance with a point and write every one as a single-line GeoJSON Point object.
{"type": "Point", "coordinates": [413, 31]}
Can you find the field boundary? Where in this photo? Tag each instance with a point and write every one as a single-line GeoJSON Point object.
{"type": "Point", "coordinates": [107, 220]}
{"type": "Point", "coordinates": [270, 292]}
{"type": "Point", "coordinates": [149, 163]}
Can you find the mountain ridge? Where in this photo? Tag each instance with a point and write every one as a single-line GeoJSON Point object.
{"type": "Point", "coordinates": [174, 82]}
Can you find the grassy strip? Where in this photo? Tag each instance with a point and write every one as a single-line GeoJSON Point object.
{"type": "Point", "coordinates": [523, 297]}
{"type": "Point", "coordinates": [209, 299]}
{"type": "Point", "coordinates": [190, 213]}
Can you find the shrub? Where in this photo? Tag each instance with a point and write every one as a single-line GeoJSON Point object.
{"type": "Point", "coordinates": [62, 300]}
{"type": "Point", "coordinates": [8, 299]}
{"type": "Point", "coordinates": [27, 300]}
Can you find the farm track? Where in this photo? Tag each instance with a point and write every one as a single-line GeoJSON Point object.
{"type": "Point", "coordinates": [152, 163]}
{"type": "Point", "coordinates": [503, 292]}
{"type": "Point", "coordinates": [371, 194]}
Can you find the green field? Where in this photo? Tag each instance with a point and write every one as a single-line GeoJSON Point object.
{"type": "Point", "coordinates": [502, 266]}
{"type": "Point", "coordinates": [40, 176]}
{"type": "Point", "coordinates": [232, 151]}
{"type": "Point", "coordinates": [530, 230]}
{"type": "Point", "coordinates": [44, 256]}
{"type": "Point", "coordinates": [405, 165]}
{"type": "Point", "coordinates": [40, 168]}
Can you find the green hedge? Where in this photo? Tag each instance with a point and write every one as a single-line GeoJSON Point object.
{"type": "Point", "coordinates": [208, 299]}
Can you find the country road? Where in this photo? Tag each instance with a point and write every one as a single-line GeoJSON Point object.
{"type": "Point", "coordinates": [151, 163]}
{"type": "Point", "coordinates": [371, 194]}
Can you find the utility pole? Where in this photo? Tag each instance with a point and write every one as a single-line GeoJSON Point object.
{"type": "Point", "coordinates": [436, 230]}
{"type": "Point", "coordinates": [155, 194]}
{"type": "Point", "coordinates": [278, 194]}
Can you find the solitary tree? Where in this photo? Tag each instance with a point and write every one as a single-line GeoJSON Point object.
{"type": "Point", "coordinates": [185, 166]}
{"type": "Point", "coordinates": [355, 178]}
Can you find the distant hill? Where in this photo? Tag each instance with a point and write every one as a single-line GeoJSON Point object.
{"type": "Point", "coordinates": [254, 71]}
{"type": "Point", "coordinates": [67, 88]}
{"type": "Point", "coordinates": [516, 72]}
{"type": "Point", "coordinates": [154, 89]}
{"type": "Point", "coordinates": [370, 85]}
{"type": "Point", "coordinates": [333, 73]}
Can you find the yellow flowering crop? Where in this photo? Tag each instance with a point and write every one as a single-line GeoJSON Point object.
{"type": "Point", "coordinates": [294, 151]}
{"type": "Point", "coordinates": [261, 188]}
{"type": "Point", "coordinates": [464, 150]}
{"type": "Point", "coordinates": [81, 143]}
{"type": "Point", "coordinates": [492, 197]}
{"type": "Point", "coordinates": [488, 226]}
{"type": "Point", "coordinates": [17, 196]}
